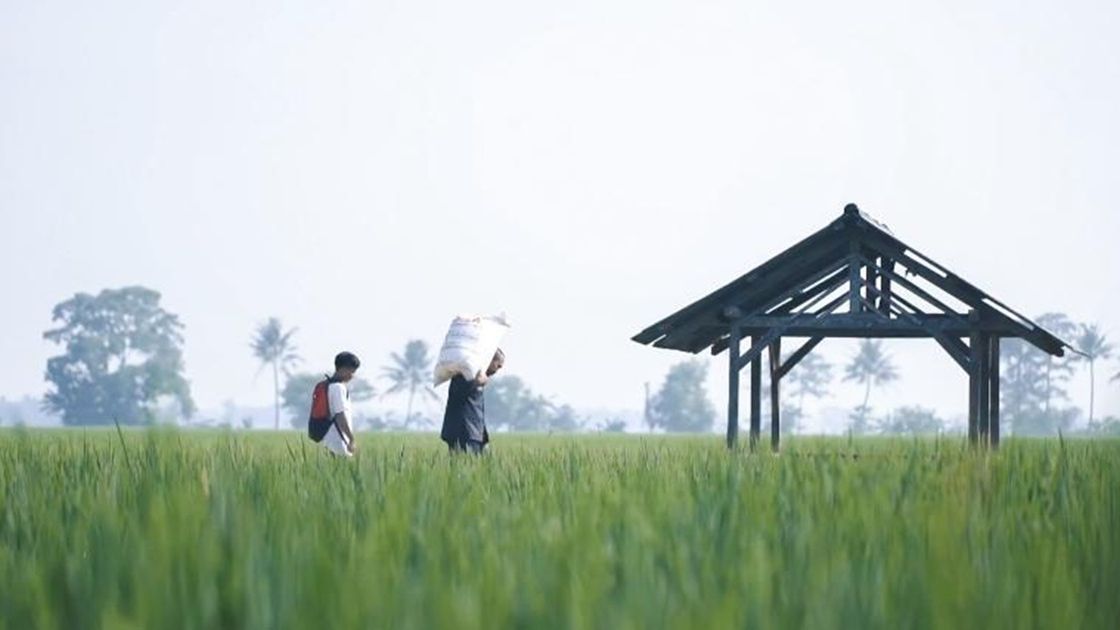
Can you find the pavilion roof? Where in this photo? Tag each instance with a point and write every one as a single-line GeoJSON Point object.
{"type": "Point", "coordinates": [901, 293]}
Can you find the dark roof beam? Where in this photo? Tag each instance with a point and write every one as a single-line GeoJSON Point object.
{"type": "Point", "coordinates": [806, 289]}
{"type": "Point", "coordinates": [795, 358]}
{"type": "Point", "coordinates": [797, 300]}
{"type": "Point", "coordinates": [965, 292]}
{"type": "Point", "coordinates": [776, 332]}
{"type": "Point", "coordinates": [720, 344]}
{"type": "Point", "coordinates": [920, 292]}
{"type": "Point", "coordinates": [954, 347]}
{"type": "Point", "coordinates": [821, 239]}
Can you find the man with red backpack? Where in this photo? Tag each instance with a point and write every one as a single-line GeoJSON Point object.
{"type": "Point", "coordinates": [331, 416]}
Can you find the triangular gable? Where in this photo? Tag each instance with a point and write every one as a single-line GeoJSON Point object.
{"type": "Point", "coordinates": [897, 289]}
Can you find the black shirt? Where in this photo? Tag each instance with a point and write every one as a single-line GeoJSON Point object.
{"type": "Point", "coordinates": [465, 417]}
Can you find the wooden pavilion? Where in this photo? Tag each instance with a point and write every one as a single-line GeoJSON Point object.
{"type": "Point", "coordinates": [854, 278]}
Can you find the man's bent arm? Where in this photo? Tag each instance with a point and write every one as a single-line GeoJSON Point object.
{"type": "Point", "coordinates": [343, 423]}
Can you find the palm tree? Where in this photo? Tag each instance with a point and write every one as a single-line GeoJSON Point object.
{"type": "Point", "coordinates": [1093, 346]}
{"type": "Point", "coordinates": [412, 372]}
{"type": "Point", "coordinates": [273, 346]}
{"type": "Point", "coordinates": [870, 366]}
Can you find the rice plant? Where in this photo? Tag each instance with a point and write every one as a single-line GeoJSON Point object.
{"type": "Point", "coordinates": [152, 529]}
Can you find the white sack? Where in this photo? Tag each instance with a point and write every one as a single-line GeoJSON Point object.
{"type": "Point", "coordinates": [470, 345]}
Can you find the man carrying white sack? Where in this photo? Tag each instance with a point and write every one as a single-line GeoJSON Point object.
{"type": "Point", "coordinates": [464, 420]}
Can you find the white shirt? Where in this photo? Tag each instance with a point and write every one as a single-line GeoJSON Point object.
{"type": "Point", "coordinates": [338, 398]}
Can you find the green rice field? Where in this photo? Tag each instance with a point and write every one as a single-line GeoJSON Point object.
{"type": "Point", "coordinates": [160, 529]}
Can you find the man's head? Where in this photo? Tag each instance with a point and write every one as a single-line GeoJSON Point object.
{"type": "Point", "coordinates": [345, 364]}
{"type": "Point", "coordinates": [496, 363]}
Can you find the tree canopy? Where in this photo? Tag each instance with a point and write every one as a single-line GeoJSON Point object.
{"type": "Point", "coordinates": [912, 420]}
{"type": "Point", "coordinates": [511, 404]}
{"type": "Point", "coordinates": [682, 403]}
{"type": "Point", "coordinates": [122, 353]}
{"type": "Point", "coordinates": [1034, 384]}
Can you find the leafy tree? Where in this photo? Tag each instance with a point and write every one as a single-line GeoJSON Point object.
{"type": "Point", "coordinates": [614, 426]}
{"type": "Point", "coordinates": [792, 419]}
{"type": "Point", "coordinates": [810, 377]}
{"type": "Point", "coordinates": [11, 414]}
{"type": "Point", "coordinates": [914, 420]}
{"type": "Point", "coordinates": [510, 403]}
{"type": "Point", "coordinates": [1032, 382]}
{"type": "Point", "coordinates": [791, 415]}
{"type": "Point", "coordinates": [682, 403]}
{"type": "Point", "coordinates": [1024, 391]}
{"type": "Point", "coordinates": [374, 422]}
{"type": "Point", "coordinates": [1107, 427]}
{"type": "Point", "coordinates": [411, 372]}
{"type": "Point", "coordinates": [513, 405]}
{"type": "Point", "coordinates": [1094, 346]}
{"type": "Point", "coordinates": [361, 390]}
{"type": "Point", "coordinates": [646, 418]}
{"type": "Point", "coordinates": [1023, 388]}
{"type": "Point", "coordinates": [869, 366]}
{"type": "Point", "coordinates": [23, 411]}
{"type": "Point", "coordinates": [1058, 370]}
{"type": "Point", "coordinates": [297, 391]}
{"type": "Point", "coordinates": [273, 346]}
{"type": "Point", "coordinates": [564, 420]}
{"type": "Point", "coordinates": [122, 353]}
{"type": "Point", "coordinates": [860, 421]}
{"type": "Point", "coordinates": [296, 397]}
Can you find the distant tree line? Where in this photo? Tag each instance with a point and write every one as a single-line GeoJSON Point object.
{"type": "Point", "coordinates": [1034, 389]}
{"type": "Point", "coordinates": [510, 403]}
{"type": "Point", "coordinates": [1034, 384]}
{"type": "Point", "coordinates": [121, 361]}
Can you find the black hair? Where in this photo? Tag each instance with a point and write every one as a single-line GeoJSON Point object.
{"type": "Point", "coordinates": [346, 360]}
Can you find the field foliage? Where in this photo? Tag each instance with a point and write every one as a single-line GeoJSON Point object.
{"type": "Point", "coordinates": [205, 530]}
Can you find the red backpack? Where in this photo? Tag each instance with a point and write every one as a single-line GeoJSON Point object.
{"type": "Point", "coordinates": [319, 422]}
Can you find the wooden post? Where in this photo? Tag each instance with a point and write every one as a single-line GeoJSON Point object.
{"type": "Point", "coordinates": [983, 396]}
{"type": "Point", "coordinates": [993, 393]}
{"type": "Point", "coordinates": [974, 386]}
{"type": "Point", "coordinates": [885, 286]}
{"type": "Point", "coordinates": [733, 388]}
{"type": "Point", "coordinates": [855, 305]}
{"type": "Point", "coordinates": [775, 393]}
{"type": "Point", "coordinates": [872, 283]}
{"type": "Point", "coordinates": [756, 396]}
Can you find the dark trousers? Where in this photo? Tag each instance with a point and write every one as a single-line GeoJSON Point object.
{"type": "Point", "coordinates": [474, 447]}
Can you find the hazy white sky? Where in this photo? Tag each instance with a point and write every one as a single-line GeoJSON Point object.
{"type": "Point", "coordinates": [365, 170]}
